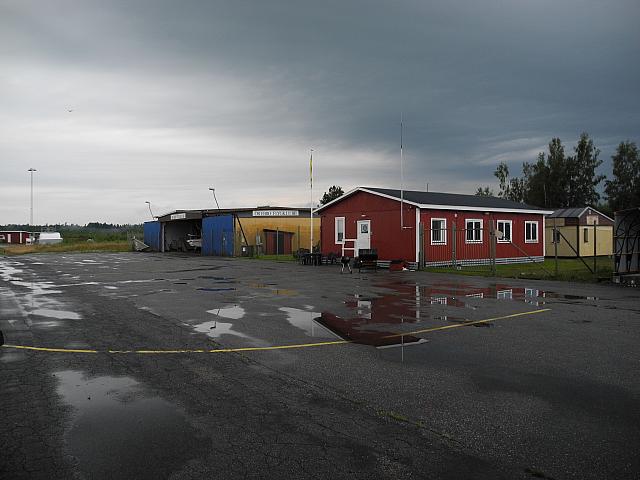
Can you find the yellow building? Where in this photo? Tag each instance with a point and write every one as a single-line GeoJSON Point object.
{"type": "Point", "coordinates": [234, 232]}
{"type": "Point", "coordinates": [578, 232]}
{"type": "Point", "coordinates": [271, 230]}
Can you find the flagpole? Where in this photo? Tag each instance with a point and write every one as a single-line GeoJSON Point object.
{"type": "Point", "coordinates": [401, 178]}
{"type": "Point", "coordinates": [311, 200]}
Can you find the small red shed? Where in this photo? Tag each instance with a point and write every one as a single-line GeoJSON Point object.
{"type": "Point", "coordinates": [14, 236]}
{"type": "Point", "coordinates": [432, 228]}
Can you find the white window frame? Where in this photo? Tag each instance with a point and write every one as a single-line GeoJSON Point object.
{"type": "Point", "coordinates": [443, 231]}
{"type": "Point", "coordinates": [335, 230]}
{"type": "Point", "coordinates": [505, 240]}
{"type": "Point", "coordinates": [531, 240]}
{"type": "Point", "coordinates": [438, 300]}
{"type": "Point", "coordinates": [504, 294]}
{"type": "Point", "coordinates": [466, 228]}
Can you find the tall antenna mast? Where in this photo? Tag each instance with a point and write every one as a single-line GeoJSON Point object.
{"type": "Point", "coordinates": [401, 178]}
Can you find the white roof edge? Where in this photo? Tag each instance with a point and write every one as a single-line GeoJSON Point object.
{"type": "Point", "coordinates": [487, 209]}
{"type": "Point", "coordinates": [585, 209]}
{"type": "Point", "coordinates": [437, 207]}
{"type": "Point", "coordinates": [605, 216]}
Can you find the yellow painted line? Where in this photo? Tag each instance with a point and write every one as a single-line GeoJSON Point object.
{"type": "Point", "coordinates": [152, 352]}
{"type": "Point", "coordinates": [275, 347]}
{"type": "Point", "coordinates": [468, 324]}
{"type": "Point", "coordinates": [280, 347]}
{"type": "Point", "coordinates": [43, 349]}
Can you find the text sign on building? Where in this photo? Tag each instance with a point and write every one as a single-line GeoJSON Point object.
{"type": "Point", "coordinates": [178, 216]}
{"type": "Point", "coordinates": [276, 213]}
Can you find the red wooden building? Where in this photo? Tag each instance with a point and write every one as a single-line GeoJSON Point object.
{"type": "Point", "coordinates": [14, 236]}
{"type": "Point", "coordinates": [432, 228]}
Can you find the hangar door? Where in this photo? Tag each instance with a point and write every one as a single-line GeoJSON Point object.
{"type": "Point", "coordinates": [277, 242]}
{"type": "Point", "coordinates": [152, 235]}
{"type": "Point", "coordinates": [217, 235]}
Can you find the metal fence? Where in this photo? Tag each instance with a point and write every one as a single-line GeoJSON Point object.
{"type": "Point", "coordinates": [475, 249]}
{"type": "Point", "coordinates": [472, 248]}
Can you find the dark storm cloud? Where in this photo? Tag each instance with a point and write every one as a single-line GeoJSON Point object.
{"type": "Point", "coordinates": [243, 89]}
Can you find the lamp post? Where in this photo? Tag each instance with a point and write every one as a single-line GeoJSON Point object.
{"type": "Point", "coordinates": [149, 203]}
{"type": "Point", "coordinates": [213, 190]}
{"type": "Point", "coordinates": [31, 170]}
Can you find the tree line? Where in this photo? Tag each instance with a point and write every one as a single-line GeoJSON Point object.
{"type": "Point", "coordinates": [560, 180]}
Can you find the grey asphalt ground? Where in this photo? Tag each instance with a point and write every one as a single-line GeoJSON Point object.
{"type": "Point", "coordinates": [552, 392]}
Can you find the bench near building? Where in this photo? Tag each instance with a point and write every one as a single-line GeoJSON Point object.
{"type": "Point", "coordinates": [432, 228]}
{"type": "Point", "coordinates": [233, 232]}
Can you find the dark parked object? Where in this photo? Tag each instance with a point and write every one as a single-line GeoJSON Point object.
{"type": "Point", "coordinates": [367, 259]}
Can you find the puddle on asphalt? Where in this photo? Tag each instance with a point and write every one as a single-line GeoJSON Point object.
{"type": "Point", "coordinates": [359, 330]}
{"type": "Point", "coordinates": [468, 296]}
{"type": "Point", "coordinates": [218, 279]}
{"type": "Point", "coordinates": [38, 288]}
{"type": "Point", "coordinates": [60, 314]}
{"type": "Point", "coordinates": [272, 287]}
{"type": "Point", "coordinates": [234, 312]}
{"type": "Point", "coordinates": [121, 431]}
{"type": "Point", "coordinates": [379, 321]}
{"type": "Point", "coordinates": [216, 328]}
{"type": "Point", "coordinates": [305, 320]}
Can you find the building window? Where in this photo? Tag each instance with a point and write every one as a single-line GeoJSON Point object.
{"type": "Point", "coordinates": [339, 229]}
{"type": "Point", "coordinates": [473, 228]}
{"type": "Point", "coordinates": [585, 235]}
{"type": "Point", "coordinates": [531, 232]}
{"type": "Point", "coordinates": [438, 231]}
{"type": "Point", "coordinates": [438, 300]}
{"type": "Point", "coordinates": [504, 227]}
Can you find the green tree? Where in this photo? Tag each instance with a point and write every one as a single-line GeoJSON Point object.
{"type": "Point", "coordinates": [623, 191]}
{"type": "Point", "coordinates": [556, 180]}
{"type": "Point", "coordinates": [484, 192]}
{"type": "Point", "coordinates": [510, 188]}
{"type": "Point", "coordinates": [333, 193]}
{"type": "Point", "coordinates": [581, 173]}
{"type": "Point", "coordinates": [536, 177]}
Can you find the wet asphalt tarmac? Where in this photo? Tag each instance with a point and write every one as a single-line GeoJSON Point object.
{"type": "Point", "coordinates": [398, 375]}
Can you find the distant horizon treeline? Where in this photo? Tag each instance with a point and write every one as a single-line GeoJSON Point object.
{"type": "Point", "coordinates": [94, 231]}
{"type": "Point", "coordinates": [560, 180]}
{"type": "Point", "coordinates": [72, 226]}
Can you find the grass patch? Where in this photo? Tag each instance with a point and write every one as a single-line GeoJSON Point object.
{"type": "Point", "coordinates": [80, 247]}
{"type": "Point", "coordinates": [569, 269]}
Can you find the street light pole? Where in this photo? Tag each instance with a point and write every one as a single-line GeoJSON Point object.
{"type": "Point", "coordinates": [31, 170]}
{"type": "Point", "coordinates": [149, 203]}
{"type": "Point", "coordinates": [213, 190]}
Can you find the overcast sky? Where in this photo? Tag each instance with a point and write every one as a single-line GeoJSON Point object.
{"type": "Point", "coordinates": [169, 98]}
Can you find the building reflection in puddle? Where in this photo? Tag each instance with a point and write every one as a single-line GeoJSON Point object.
{"type": "Point", "coordinates": [380, 321]}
